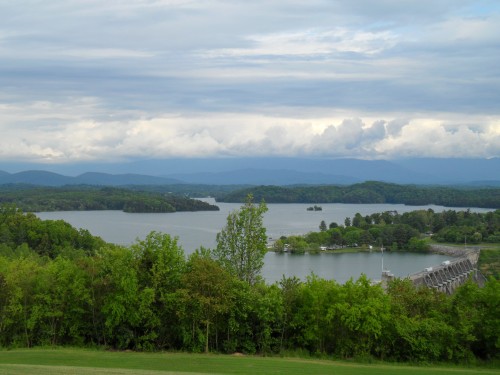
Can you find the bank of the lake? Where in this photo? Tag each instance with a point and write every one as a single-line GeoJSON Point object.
{"type": "Point", "coordinates": [195, 229]}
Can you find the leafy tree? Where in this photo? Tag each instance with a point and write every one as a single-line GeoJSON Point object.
{"type": "Point", "coordinates": [347, 221]}
{"type": "Point", "coordinates": [206, 295]}
{"type": "Point", "coordinates": [336, 237]}
{"type": "Point", "coordinates": [359, 221]}
{"type": "Point", "coordinates": [417, 245]}
{"type": "Point", "coordinates": [290, 290]}
{"type": "Point", "coordinates": [160, 263]}
{"type": "Point", "coordinates": [242, 244]}
{"type": "Point", "coordinates": [360, 314]}
{"type": "Point", "coordinates": [322, 226]}
{"type": "Point", "coordinates": [20, 280]}
{"type": "Point", "coordinates": [126, 306]}
{"type": "Point", "coordinates": [316, 331]}
{"type": "Point", "coordinates": [352, 236]}
{"type": "Point", "coordinates": [297, 244]}
{"type": "Point", "coordinates": [419, 330]}
{"type": "Point", "coordinates": [279, 246]}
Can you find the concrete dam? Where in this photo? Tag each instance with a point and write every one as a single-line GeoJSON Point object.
{"type": "Point", "coordinates": [449, 275]}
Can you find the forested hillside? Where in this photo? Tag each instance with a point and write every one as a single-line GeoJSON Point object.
{"type": "Point", "coordinates": [372, 192]}
{"type": "Point", "coordinates": [60, 286]}
{"type": "Point", "coordinates": [81, 198]}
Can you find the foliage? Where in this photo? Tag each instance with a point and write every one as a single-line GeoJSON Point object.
{"type": "Point", "coordinates": [489, 262]}
{"type": "Point", "coordinates": [82, 198]}
{"type": "Point", "coordinates": [149, 297]}
{"type": "Point", "coordinates": [409, 231]}
{"type": "Point", "coordinates": [206, 298]}
{"type": "Point", "coordinates": [242, 244]}
{"type": "Point", "coordinates": [46, 237]}
{"type": "Point", "coordinates": [372, 192]}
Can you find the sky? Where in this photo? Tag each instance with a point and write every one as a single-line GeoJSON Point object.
{"type": "Point", "coordinates": [117, 80]}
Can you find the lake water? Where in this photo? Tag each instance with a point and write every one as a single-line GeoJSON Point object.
{"type": "Point", "coordinates": [195, 229]}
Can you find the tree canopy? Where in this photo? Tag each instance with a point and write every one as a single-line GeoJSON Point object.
{"type": "Point", "coordinates": [372, 192]}
{"type": "Point", "coordinates": [81, 198]}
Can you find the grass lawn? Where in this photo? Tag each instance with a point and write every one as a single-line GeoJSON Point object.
{"type": "Point", "coordinates": [83, 362]}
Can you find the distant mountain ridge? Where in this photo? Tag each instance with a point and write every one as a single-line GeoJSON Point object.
{"type": "Point", "coordinates": [264, 171]}
{"type": "Point", "coordinates": [45, 178]}
{"type": "Point", "coordinates": [253, 176]}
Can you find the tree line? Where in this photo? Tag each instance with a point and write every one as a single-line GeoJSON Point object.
{"type": "Point", "coordinates": [371, 192]}
{"type": "Point", "coordinates": [150, 296]}
{"type": "Point", "coordinates": [397, 232]}
{"type": "Point", "coordinates": [86, 198]}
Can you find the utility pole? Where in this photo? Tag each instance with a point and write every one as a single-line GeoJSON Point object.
{"type": "Point", "coordinates": [382, 249]}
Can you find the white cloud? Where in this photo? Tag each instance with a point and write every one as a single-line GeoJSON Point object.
{"type": "Point", "coordinates": [105, 80]}
{"type": "Point", "coordinates": [62, 135]}
{"type": "Point", "coordinates": [311, 42]}
{"type": "Point", "coordinates": [430, 137]}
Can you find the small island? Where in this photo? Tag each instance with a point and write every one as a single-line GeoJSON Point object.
{"type": "Point", "coordinates": [315, 208]}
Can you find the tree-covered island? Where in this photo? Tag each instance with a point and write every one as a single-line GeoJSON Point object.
{"type": "Point", "coordinates": [87, 198]}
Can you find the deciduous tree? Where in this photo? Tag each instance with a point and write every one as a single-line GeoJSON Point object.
{"type": "Point", "coordinates": [242, 244]}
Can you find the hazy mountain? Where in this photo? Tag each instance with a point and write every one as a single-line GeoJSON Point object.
{"type": "Point", "coordinates": [287, 171]}
{"type": "Point", "coordinates": [53, 179]}
{"type": "Point", "coordinates": [35, 178]}
{"type": "Point", "coordinates": [264, 177]}
{"type": "Point", "coordinates": [455, 170]}
{"type": "Point", "coordinates": [266, 171]}
{"type": "Point", "coordinates": [95, 178]}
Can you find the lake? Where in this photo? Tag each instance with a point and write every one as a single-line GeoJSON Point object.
{"type": "Point", "coordinates": [195, 229]}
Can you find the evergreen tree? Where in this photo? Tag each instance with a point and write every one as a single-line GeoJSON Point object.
{"type": "Point", "coordinates": [322, 226]}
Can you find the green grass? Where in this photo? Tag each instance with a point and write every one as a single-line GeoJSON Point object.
{"type": "Point", "coordinates": [83, 362]}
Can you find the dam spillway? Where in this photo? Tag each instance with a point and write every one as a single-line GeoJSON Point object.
{"type": "Point", "coordinates": [449, 275]}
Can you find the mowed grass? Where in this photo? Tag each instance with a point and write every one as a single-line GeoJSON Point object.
{"type": "Point", "coordinates": [85, 362]}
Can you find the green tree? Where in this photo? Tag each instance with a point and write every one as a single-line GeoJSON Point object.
{"type": "Point", "coordinates": [242, 244]}
{"type": "Point", "coordinates": [297, 244]}
{"type": "Point", "coordinates": [61, 298]}
{"type": "Point", "coordinates": [125, 306]}
{"type": "Point", "coordinates": [315, 330]}
{"type": "Point", "coordinates": [290, 290]}
{"type": "Point", "coordinates": [206, 295]}
{"type": "Point", "coordinates": [347, 222]}
{"type": "Point", "coordinates": [322, 226]}
{"type": "Point", "coordinates": [359, 313]}
{"type": "Point", "coordinates": [160, 263]}
{"type": "Point", "coordinates": [20, 280]}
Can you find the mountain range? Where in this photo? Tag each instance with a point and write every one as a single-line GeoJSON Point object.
{"type": "Point", "coordinates": [46, 178]}
{"type": "Point", "coordinates": [262, 171]}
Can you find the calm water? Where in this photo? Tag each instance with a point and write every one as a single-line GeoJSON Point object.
{"type": "Point", "coordinates": [195, 229]}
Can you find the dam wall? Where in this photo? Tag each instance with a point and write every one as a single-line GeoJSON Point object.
{"type": "Point", "coordinates": [449, 275]}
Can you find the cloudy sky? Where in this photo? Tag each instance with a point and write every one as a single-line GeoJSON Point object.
{"type": "Point", "coordinates": [90, 80]}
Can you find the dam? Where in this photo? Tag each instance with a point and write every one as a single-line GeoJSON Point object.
{"type": "Point", "coordinates": [449, 275]}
